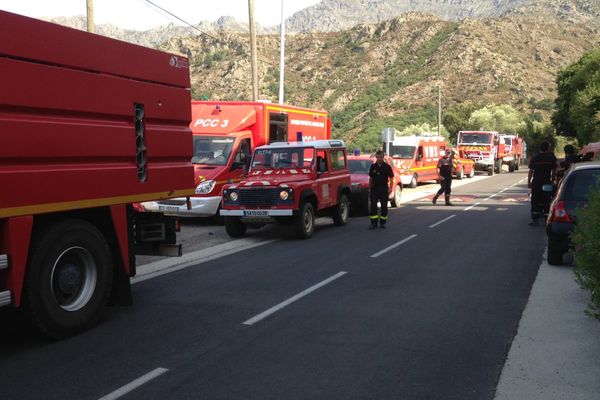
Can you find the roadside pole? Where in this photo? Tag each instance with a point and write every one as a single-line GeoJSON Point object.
{"type": "Point", "coordinates": [253, 55]}
{"type": "Point", "coordinates": [90, 15]}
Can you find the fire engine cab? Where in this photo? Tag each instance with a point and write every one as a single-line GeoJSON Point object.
{"type": "Point", "coordinates": [485, 148]}
{"type": "Point", "coordinates": [291, 183]}
{"type": "Point", "coordinates": [416, 157]}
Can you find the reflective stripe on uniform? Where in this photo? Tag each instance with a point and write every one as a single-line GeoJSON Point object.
{"type": "Point", "coordinates": [374, 217]}
{"type": "Point", "coordinates": [383, 218]}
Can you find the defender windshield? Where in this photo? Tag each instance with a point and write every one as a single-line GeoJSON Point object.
{"type": "Point", "coordinates": [283, 158]}
{"type": "Point", "coordinates": [359, 166]}
{"type": "Point", "coordinates": [212, 150]}
{"type": "Point", "coordinates": [403, 151]}
{"type": "Point", "coordinates": [476, 138]}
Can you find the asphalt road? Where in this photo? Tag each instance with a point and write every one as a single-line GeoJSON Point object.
{"type": "Point", "coordinates": [426, 309]}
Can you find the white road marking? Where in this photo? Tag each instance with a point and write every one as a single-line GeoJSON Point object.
{"type": "Point", "coordinates": [274, 309]}
{"type": "Point", "coordinates": [162, 267]}
{"type": "Point", "coordinates": [392, 247]}
{"type": "Point", "coordinates": [442, 221]}
{"type": "Point", "coordinates": [472, 207]}
{"type": "Point", "coordinates": [123, 390]}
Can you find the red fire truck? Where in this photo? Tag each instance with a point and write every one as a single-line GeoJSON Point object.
{"type": "Point", "coordinates": [485, 148]}
{"type": "Point", "coordinates": [88, 125]}
{"type": "Point", "coordinates": [513, 151]}
{"type": "Point", "coordinates": [225, 134]}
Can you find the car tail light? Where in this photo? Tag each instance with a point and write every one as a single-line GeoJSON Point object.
{"type": "Point", "coordinates": [559, 213]}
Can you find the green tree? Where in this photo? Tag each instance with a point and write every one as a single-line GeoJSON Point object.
{"type": "Point", "coordinates": [502, 118]}
{"type": "Point", "coordinates": [578, 101]}
{"type": "Point", "coordinates": [456, 119]}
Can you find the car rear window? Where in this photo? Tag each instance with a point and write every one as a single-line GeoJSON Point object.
{"type": "Point", "coordinates": [580, 184]}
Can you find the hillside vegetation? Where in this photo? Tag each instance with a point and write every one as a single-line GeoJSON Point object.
{"type": "Point", "coordinates": [387, 74]}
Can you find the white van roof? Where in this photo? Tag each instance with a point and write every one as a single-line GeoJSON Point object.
{"type": "Point", "coordinates": [414, 140]}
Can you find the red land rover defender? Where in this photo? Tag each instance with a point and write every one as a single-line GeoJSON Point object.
{"type": "Point", "coordinates": [290, 182]}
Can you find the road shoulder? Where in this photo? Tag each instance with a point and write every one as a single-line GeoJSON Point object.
{"type": "Point", "coordinates": [556, 352]}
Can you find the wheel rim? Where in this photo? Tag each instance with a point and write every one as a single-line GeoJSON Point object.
{"type": "Point", "coordinates": [344, 210]}
{"type": "Point", "coordinates": [414, 181]}
{"type": "Point", "coordinates": [308, 222]}
{"type": "Point", "coordinates": [73, 278]}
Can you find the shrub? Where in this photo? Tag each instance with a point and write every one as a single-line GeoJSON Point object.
{"type": "Point", "coordinates": [587, 251]}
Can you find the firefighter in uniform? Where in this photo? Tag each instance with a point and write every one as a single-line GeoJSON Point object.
{"type": "Point", "coordinates": [380, 175]}
{"type": "Point", "coordinates": [542, 171]}
{"type": "Point", "coordinates": [444, 170]}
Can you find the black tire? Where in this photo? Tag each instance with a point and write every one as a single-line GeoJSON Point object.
{"type": "Point", "coordinates": [235, 227]}
{"type": "Point", "coordinates": [461, 174]}
{"type": "Point", "coordinates": [555, 250]}
{"type": "Point", "coordinates": [517, 164]}
{"type": "Point", "coordinates": [304, 223]}
{"type": "Point", "coordinates": [491, 170]}
{"type": "Point", "coordinates": [511, 167]}
{"type": "Point", "coordinates": [341, 211]}
{"type": "Point", "coordinates": [69, 278]}
{"type": "Point", "coordinates": [366, 205]}
{"type": "Point", "coordinates": [397, 199]}
{"type": "Point", "coordinates": [218, 219]}
{"type": "Point", "coordinates": [413, 182]}
{"type": "Point", "coordinates": [472, 173]}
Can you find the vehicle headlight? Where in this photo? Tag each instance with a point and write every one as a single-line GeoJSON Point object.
{"type": "Point", "coordinates": [284, 195]}
{"type": "Point", "coordinates": [205, 187]}
{"type": "Point", "coordinates": [233, 196]}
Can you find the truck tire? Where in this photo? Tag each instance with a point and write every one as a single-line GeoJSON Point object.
{"type": "Point", "coordinates": [491, 170]}
{"type": "Point", "coordinates": [511, 166]}
{"type": "Point", "coordinates": [472, 173]}
{"type": "Point", "coordinates": [461, 175]}
{"type": "Point", "coordinates": [518, 165]}
{"type": "Point", "coordinates": [366, 205]}
{"type": "Point", "coordinates": [341, 211]}
{"type": "Point", "coordinates": [555, 251]}
{"type": "Point", "coordinates": [69, 278]}
{"type": "Point", "coordinates": [304, 223]}
{"type": "Point", "coordinates": [413, 182]}
{"type": "Point", "coordinates": [397, 199]}
{"type": "Point", "coordinates": [235, 227]}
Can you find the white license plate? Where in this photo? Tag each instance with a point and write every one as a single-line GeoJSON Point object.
{"type": "Point", "coordinates": [168, 208]}
{"type": "Point", "coordinates": [256, 213]}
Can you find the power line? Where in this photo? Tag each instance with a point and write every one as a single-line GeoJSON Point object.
{"type": "Point", "coordinates": [157, 7]}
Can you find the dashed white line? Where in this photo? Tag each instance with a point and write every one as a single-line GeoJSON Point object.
{"type": "Point", "coordinates": [442, 221]}
{"type": "Point", "coordinates": [472, 207]}
{"type": "Point", "coordinates": [123, 390]}
{"type": "Point", "coordinates": [274, 309]}
{"type": "Point", "coordinates": [392, 247]}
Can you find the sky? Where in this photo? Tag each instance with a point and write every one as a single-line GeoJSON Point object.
{"type": "Point", "coordinates": [139, 15]}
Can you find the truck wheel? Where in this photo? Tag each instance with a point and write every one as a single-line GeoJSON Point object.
{"type": "Point", "coordinates": [397, 197]}
{"type": "Point", "coordinates": [413, 182]}
{"type": "Point", "coordinates": [511, 167]}
{"type": "Point", "coordinates": [461, 174]}
{"type": "Point", "coordinates": [491, 170]}
{"type": "Point", "coordinates": [555, 251]}
{"type": "Point", "coordinates": [235, 227]}
{"type": "Point", "coordinates": [517, 166]}
{"type": "Point", "coordinates": [341, 210]}
{"type": "Point", "coordinates": [69, 278]}
{"type": "Point", "coordinates": [305, 221]}
{"type": "Point", "coordinates": [366, 205]}
{"type": "Point", "coordinates": [472, 173]}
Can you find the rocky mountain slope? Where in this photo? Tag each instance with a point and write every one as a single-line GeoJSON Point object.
{"type": "Point", "coordinates": [387, 73]}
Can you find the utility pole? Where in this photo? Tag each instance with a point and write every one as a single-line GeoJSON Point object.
{"type": "Point", "coordinates": [439, 110]}
{"type": "Point", "coordinates": [253, 55]}
{"type": "Point", "coordinates": [282, 58]}
{"type": "Point", "coordinates": [90, 16]}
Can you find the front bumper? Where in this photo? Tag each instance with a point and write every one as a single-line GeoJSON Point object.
{"type": "Point", "coordinates": [257, 213]}
{"type": "Point", "coordinates": [201, 206]}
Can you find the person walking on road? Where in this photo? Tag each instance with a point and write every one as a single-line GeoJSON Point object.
{"type": "Point", "coordinates": [444, 170]}
{"type": "Point", "coordinates": [542, 171]}
{"type": "Point", "coordinates": [380, 176]}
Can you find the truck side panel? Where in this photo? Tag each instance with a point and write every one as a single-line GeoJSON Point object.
{"type": "Point", "coordinates": [81, 50]}
{"type": "Point", "coordinates": [61, 147]}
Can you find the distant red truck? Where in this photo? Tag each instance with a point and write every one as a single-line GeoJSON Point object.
{"type": "Point", "coordinates": [485, 148]}
{"type": "Point", "coordinates": [88, 125]}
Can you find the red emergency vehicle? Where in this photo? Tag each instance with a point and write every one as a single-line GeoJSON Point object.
{"type": "Point", "coordinates": [513, 151]}
{"type": "Point", "coordinates": [225, 134]}
{"type": "Point", "coordinates": [416, 157]}
{"type": "Point", "coordinates": [462, 166]}
{"type": "Point", "coordinates": [88, 125]}
{"type": "Point", "coordinates": [485, 148]}
{"type": "Point", "coordinates": [359, 166]}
